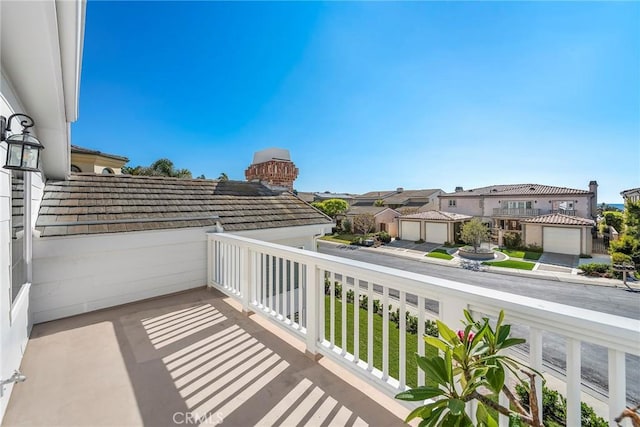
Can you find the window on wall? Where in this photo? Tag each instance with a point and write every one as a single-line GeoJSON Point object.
{"type": "Point", "coordinates": [18, 266]}
{"type": "Point", "coordinates": [452, 203]}
{"type": "Point", "coordinates": [520, 204]}
{"type": "Point", "coordinates": [76, 169]}
{"type": "Point", "coordinates": [563, 205]}
{"type": "Point", "coordinates": [107, 171]}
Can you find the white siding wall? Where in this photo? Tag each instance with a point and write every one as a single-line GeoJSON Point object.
{"type": "Point", "coordinates": [78, 274]}
{"type": "Point", "coordinates": [15, 324]}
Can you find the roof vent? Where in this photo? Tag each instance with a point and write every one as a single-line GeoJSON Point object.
{"type": "Point", "coordinates": [399, 189]}
{"type": "Point", "coordinates": [458, 189]}
{"type": "Point", "coordinates": [494, 190]}
{"type": "Point", "coordinates": [532, 188]}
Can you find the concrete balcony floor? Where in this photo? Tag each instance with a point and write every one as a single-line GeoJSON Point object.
{"type": "Point", "coordinates": [185, 359]}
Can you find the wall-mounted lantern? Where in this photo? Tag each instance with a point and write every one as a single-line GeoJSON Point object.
{"type": "Point", "coordinates": [23, 149]}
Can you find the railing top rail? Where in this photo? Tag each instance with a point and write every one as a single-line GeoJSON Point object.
{"type": "Point", "coordinates": [592, 326]}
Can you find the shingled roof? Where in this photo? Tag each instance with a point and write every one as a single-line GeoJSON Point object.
{"type": "Point", "coordinates": [89, 204]}
{"type": "Point", "coordinates": [516, 190]}
{"type": "Point", "coordinates": [559, 219]}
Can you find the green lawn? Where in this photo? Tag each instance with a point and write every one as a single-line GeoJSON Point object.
{"type": "Point", "coordinates": [336, 239]}
{"type": "Point", "coordinates": [521, 265]}
{"type": "Point", "coordinates": [344, 238]}
{"type": "Point", "coordinates": [394, 341]}
{"type": "Point", "coordinates": [439, 253]}
{"type": "Point", "coordinates": [522, 254]}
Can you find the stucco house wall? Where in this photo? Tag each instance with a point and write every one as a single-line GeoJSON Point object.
{"type": "Point", "coordinates": [463, 205]}
{"type": "Point", "coordinates": [533, 234]}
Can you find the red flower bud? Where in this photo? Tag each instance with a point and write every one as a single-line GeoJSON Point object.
{"type": "Point", "coordinates": [461, 335]}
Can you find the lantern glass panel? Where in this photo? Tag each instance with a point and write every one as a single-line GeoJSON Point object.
{"type": "Point", "coordinates": [14, 155]}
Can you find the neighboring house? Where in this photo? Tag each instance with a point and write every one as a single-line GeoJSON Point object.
{"type": "Point", "coordinates": [421, 200]}
{"type": "Point", "coordinates": [311, 197]}
{"type": "Point", "coordinates": [631, 195]}
{"type": "Point", "coordinates": [504, 207]}
{"type": "Point", "coordinates": [385, 218]}
{"type": "Point", "coordinates": [40, 63]}
{"type": "Point", "coordinates": [368, 199]}
{"type": "Point", "coordinates": [84, 160]}
{"type": "Point", "coordinates": [150, 234]}
{"type": "Point", "coordinates": [431, 226]}
{"type": "Point", "coordinates": [559, 233]}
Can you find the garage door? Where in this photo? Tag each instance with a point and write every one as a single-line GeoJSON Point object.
{"type": "Point", "coordinates": [561, 240]}
{"type": "Point", "coordinates": [410, 230]}
{"type": "Point", "coordinates": [436, 232]}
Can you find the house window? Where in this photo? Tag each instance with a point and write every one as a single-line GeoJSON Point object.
{"type": "Point", "coordinates": [452, 203]}
{"type": "Point", "coordinates": [107, 171]}
{"type": "Point", "coordinates": [75, 168]}
{"type": "Point", "coordinates": [563, 205]}
{"type": "Point", "coordinates": [520, 204]}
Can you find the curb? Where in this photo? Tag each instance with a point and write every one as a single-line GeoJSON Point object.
{"type": "Point", "coordinates": [558, 277]}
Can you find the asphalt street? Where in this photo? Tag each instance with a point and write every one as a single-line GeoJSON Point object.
{"type": "Point", "coordinates": [598, 298]}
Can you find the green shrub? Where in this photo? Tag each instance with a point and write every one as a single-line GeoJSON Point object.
{"type": "Point", "coordinates": [512, 240]}
{"type": "Point", "coordinates": [346, 226]}
{"type": "Point", "coordinates": [614, 219]}
{"type": "Point", "coordinates": [595, 269]}
{"type": "Point", "coordinates": [533, 248]}
{"type": "Point", "coordinates": [554, 408]}
{"type": "Point", "coordinates": [384, 237]}
{"type": "Point", "coordinates": [620, 258]}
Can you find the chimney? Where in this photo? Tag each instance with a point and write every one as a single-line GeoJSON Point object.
{"type": "Point", "coordinates": [399, 189]}
{"type": "Point", "coordinates": [459, 189]}
{"type": "Point", "coordinates": [593, 188]}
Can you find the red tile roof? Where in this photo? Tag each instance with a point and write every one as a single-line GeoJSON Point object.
{"type": "Point", "coordinates": [517, 190]}
{"type": "Point", "coordinates": [559, 219]}
{"type": "Point", "coordinates": [437, 216]}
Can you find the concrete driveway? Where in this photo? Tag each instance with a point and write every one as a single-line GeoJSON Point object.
{"type": "Point", "coordinates": [413, 246]}
{"type": "Point", "coordinates": [562, 260]}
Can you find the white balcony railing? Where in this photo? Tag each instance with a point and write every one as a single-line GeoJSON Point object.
{"type": "Point", "coordinates": [515, 212]}
{"type": "Point", "coordinates": [287, 286]}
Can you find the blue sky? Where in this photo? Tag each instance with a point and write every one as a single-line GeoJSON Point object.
{"type": "Point", "coordinates": [370, 95]}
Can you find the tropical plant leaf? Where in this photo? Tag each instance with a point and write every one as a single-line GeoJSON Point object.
{"type": "Point", "coordinates": [420, 393]}
{"type": "Point", "coordinates": [510, 342]}
{"type": "Point", "coordinates": [447, 333]}
{"type": "Point", "coordinates": [483, 417]}
{"type": "Point", "coordinates": [434, 368]}
{"type": "Point", "coordinates": [456, 406]}
{"type": "Point", "coordinates": [495, 378]}
{"type": "Point", "coordinates": [436, 342]}
{"type": "Point", "coordinates": [502, 334]}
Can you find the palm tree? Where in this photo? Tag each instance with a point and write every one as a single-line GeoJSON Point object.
{"type": "Point", "coordinates": [223, 177]}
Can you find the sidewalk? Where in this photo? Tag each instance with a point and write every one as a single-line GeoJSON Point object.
{"type": "Point", "coordinates": [572, 277]}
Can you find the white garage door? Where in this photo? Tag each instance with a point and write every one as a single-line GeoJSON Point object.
{"type": "Point", "coordinates": [410, 230]}
{"type": "Point", "coordinates": [436, 232]}
{"type": "Point", "coordinates": [561, 240]}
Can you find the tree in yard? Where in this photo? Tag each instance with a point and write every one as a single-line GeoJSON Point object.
{"type": "Point", "coordinates": [629, 241]}
{"type": "Point", "coordinates": [331, 207]}
{"type": "Point", "coordinates": [223, 177]}
{"type": "Point", "coordinates": [364, 223]}
{"type": "Point", "coordinates": [161, 167]}
{"type": "Point", "coordinates": [474, 233]}
{"type": "Point", "coordinates": [378, 203]}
